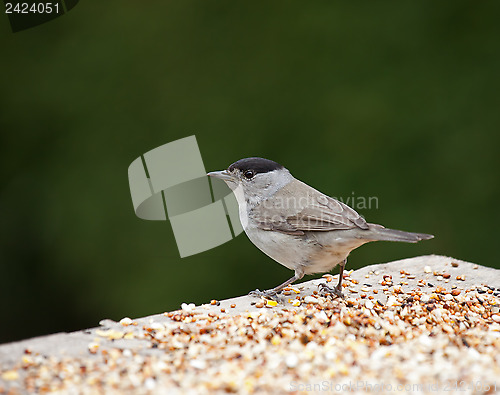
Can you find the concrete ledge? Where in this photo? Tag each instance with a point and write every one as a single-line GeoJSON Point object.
{"type": "Point", "coordinates": [435, 321]}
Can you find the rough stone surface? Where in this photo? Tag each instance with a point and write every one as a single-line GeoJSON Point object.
{"type": "Point", "coordinates": [438, 279]}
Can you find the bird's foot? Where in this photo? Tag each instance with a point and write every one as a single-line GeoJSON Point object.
{"type": "Point", "coordinates": [269, 294]}
{"type": "Point", "coordinates": [326, 289]}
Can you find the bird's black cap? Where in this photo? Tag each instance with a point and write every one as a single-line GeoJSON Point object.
{"type": "Point", "coordinates": [258, 165]}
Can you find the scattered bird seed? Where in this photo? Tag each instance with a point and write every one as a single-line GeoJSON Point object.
{"type": "Point", "coordinates": [271, 303]}
{"type": "Point", "coordinates": [126, 321]}
{"type": "Point", "coordinates": [419, 335]}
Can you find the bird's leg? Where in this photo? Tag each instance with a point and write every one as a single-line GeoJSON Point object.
{"type": "Point", "coordinates": [338, 289]}
{"type": "Point", "coordinates": [272, 292]}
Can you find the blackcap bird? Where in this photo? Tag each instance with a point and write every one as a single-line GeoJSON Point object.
{"type": "Point", "coordinates": [296, 225]}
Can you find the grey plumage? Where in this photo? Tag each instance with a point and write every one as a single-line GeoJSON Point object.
{"type": "Point", "coordinates": [296, 225]}
{"type": "Point", "coordinates": [383, 234]}
{"type": "Point", "coordinates": [314, 211]}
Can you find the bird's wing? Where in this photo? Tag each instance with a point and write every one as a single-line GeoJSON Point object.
{"type": "Point", "coordinates": [298, 208]}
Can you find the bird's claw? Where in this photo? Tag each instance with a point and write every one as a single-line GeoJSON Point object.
{"type": "Point", "coordinates": [326, 289]}
{"type": "Point", "coordinates": [264, 294]}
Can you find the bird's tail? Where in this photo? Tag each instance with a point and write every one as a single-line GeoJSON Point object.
{"type": "Point", "coordinates": [383, 234]}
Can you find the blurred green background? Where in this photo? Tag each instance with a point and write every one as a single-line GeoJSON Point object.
{"type": "Point", "coordinates": [398, 100]}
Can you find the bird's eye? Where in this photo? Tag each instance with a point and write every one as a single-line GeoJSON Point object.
{"type": "Point", "coordinates": [249, 174]}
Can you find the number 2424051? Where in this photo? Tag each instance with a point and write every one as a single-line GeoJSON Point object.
{"type": "Point", "coordinates": [35, 8]}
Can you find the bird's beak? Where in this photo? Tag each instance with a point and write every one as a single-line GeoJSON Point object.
{"type": "Point", "coordinates": [223, 175]}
